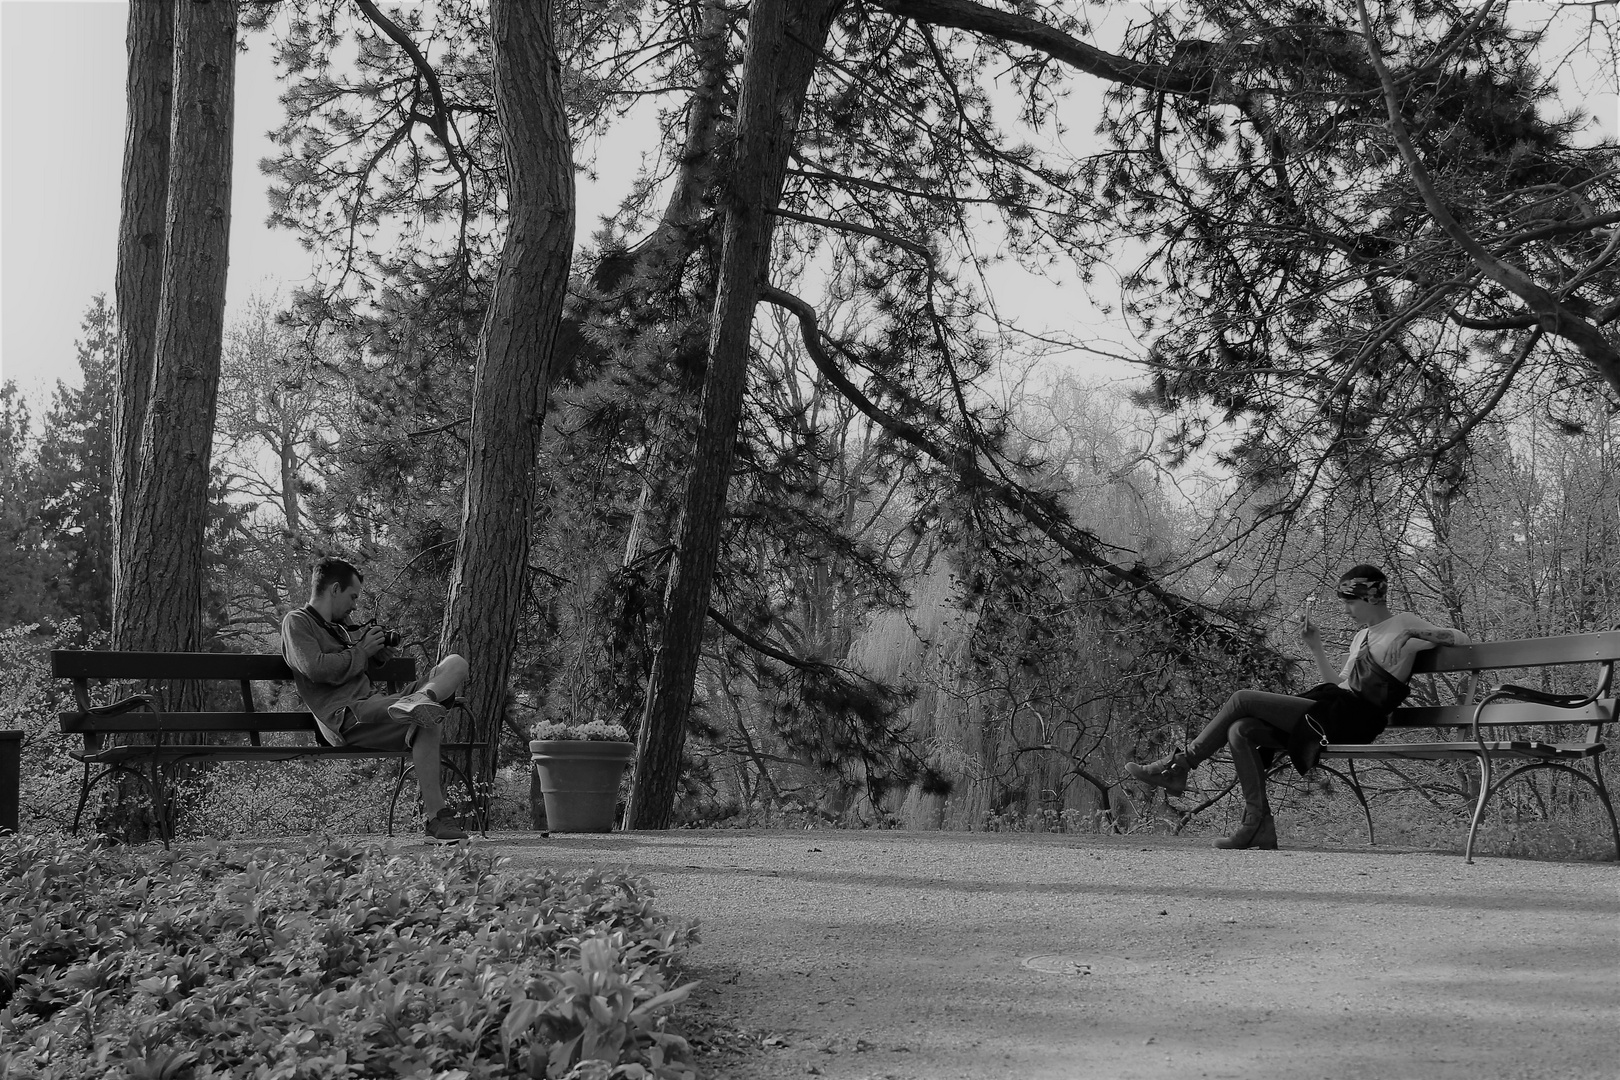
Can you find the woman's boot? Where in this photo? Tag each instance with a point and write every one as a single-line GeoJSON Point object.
{"type": "Point", "coordinates": [1169, 773]}
{"type": "Point", "coordinates": [1258, 830]}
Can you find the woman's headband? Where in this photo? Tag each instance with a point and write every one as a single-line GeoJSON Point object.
{"type": "Point", "coordinates": [1363, 588]}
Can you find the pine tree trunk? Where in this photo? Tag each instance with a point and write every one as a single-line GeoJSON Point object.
{"type": "Point", "coordinates": [138, 284]}
{"type": "Point", "coordinates": [784, 40]}
{"type": "Point", "coordinates": [672, 242]}
{"type": "Point", "coordinates": [158, 600]}
{"type": "Point", "coordinates": [488, 583]}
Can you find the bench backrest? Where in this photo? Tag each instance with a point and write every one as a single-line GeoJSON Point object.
{"type": "Point", "coordinates": [245, 669]}
{"type": "Point", "coordinates": [1601, 646]}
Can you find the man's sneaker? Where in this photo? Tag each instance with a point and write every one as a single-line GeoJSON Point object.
{"type": "Point", "coordinates": [443, 828]}
{"type": "Point", "coordinates": [419, 707]}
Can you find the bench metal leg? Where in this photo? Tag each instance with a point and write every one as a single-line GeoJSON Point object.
{"type": "Point", "coordinates": [1366, 811]}
{"type": "Point", "coordinates": [154, 789]}
{"type": "Point", "coordinates": [1354, 783]}
{"type": "Point", "coordinates": [1596, 783]}
{"type": "Point", "coordinates": [161, 797]}
{"type": "Point", "coordinates": [399, 786]}
{"type": "Point", "coordinates": [1479, 807]}
{"type": "Point", "coordinates": [408, 769]}
{"type": "Point", "coordinates": [1603, 793]}
{"type": "Point", "coordinates": [84, 794]}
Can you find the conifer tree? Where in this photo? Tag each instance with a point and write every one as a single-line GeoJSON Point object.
{"type": "Point", "coordinates": [75, 461]}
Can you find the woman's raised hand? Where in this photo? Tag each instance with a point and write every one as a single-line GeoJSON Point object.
{"type": "Point", "coordinates": [1308, 630]}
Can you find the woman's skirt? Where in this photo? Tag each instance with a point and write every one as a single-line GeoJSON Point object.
{"type": "Point", "coordinates": [1339, 716]}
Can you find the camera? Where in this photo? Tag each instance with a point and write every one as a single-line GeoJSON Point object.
{"type": "Point", "coordinates": [391, 637]}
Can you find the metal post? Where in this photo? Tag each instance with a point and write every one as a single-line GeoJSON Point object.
{"type": "Point", "coordinates": [10, 778]}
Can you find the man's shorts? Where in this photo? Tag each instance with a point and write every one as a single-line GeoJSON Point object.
{"type": "Point", "coordinates": [367, 724]}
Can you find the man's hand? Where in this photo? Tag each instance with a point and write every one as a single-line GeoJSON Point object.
{"type": "Point", "coordinates": [370, 642]}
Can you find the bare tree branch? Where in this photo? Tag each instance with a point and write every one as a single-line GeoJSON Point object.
{"type": "Point", "coordinates": [865, 230]}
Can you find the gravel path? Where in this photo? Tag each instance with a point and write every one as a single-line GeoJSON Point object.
{"type": "Point", "coordinates": [930, 955]}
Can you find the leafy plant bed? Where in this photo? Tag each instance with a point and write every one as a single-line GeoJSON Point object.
{"type": "Point", "coordinates": [329, 961]}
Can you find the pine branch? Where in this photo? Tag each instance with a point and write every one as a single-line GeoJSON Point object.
{"type": "Point", "coordinates": [1553, 314]}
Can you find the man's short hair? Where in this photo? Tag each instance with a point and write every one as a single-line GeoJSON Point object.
{"type": "Point", "coordinates": [329, 572]}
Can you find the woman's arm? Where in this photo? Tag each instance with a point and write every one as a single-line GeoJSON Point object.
{"type": "Point", "coordinates": [1434, 635]}
{"type": "Point", "coordinates": [1313, 641]}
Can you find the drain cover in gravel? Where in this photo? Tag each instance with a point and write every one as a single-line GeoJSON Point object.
{"type": "Point", "coordinates": [1057, 964]}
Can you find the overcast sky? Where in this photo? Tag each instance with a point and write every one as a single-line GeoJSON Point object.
{"type": "Point", "coordinates": [61, 148]}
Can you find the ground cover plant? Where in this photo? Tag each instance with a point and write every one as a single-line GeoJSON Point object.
{"type": "Point", "coordinates": [329, 961]}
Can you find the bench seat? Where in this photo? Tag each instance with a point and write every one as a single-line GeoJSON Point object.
{"type": "Point", "coordinates": [1439, 751]}
{"type": "Point", "coordinates": [171, 752]}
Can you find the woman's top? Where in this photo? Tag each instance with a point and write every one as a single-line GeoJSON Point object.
{"type": "Point", "coordinates": [1380, 662]}
{"type": "Point", "coordinates": [1372, 685]}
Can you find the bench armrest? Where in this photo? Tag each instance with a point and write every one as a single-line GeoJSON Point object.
{"type": "Point", "coordinates": [124, 705]}
{"type": "Point", "coordinates": [1542, 697]}
{"type": "Point", "coordinates": [1513, 692]}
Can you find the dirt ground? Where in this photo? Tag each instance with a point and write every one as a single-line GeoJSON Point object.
{"type": "Point", "coordinates": [928, 955]}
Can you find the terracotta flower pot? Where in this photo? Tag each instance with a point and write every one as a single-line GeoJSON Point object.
{"type": "Point", "coordinates": [579, 780]}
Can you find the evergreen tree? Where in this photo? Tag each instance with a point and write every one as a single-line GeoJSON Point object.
{"type": "Point", "coordinates": [28, 564]}
{"type": "Point", "coordinates": [75, 464]}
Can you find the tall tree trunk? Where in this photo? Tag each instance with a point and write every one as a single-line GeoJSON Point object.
{"type": "Point", "coordinates": [288, 418]}
{"type": "Point", "coordinates": [784, 41]}
{"type": "Point", "coordinates": [516, 356]}
{"type": "Point", "coordinates": [671, 243]}
{"type": "Point", "coordinates": [139, 279]}
{"type": "Point", "coordinates": [158, 600]}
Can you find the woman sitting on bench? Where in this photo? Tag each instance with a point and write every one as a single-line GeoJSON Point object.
{"type": "Point", "coordinates": [1351, 707]}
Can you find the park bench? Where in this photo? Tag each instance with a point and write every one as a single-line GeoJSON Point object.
{"type": "Point", "coordinates": [1516, 726]}
{"type": "Point", "coordinates": [180, 737]}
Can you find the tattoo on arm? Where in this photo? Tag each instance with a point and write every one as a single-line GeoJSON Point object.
{"type": "Point", "coordinates": [1440, 635]}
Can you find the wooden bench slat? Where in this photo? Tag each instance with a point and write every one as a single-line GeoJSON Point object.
{"type": "Point", "coordinates": [1501, 714]}
{"type": "Point", "coordinates": [1516, 748]}
{"type": "Point", "coordinates": [1526, 652]}
{"type": "Point", "coordinates": [95, 664]}
{"type": "Point", "coordinates": [142, 721]}
{"type": "Point", "coordinates": [215, 752]}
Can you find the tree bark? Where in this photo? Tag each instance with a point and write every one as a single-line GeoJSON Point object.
{"type": "Point", "coordinates": [784, 42]}
{"type": "Point", "coordinates": [158, 600]}
{"type": "Point", "coordinates": [667, 249]}
{"type": "Point", "coordinates": [516, 357]}
{"type": "Point", "coordinates": [139, 277]}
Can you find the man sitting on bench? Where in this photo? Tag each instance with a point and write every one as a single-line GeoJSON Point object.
{"type": "Point", "coordinates": [331, 665]}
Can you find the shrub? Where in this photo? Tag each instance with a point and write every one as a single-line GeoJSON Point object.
{"type": "Point", "coordinates": [231, 800]}
{"type": "Point", "coordinates": [29, 702]}
{"type": "Point", "coordinates": [328, 961]}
